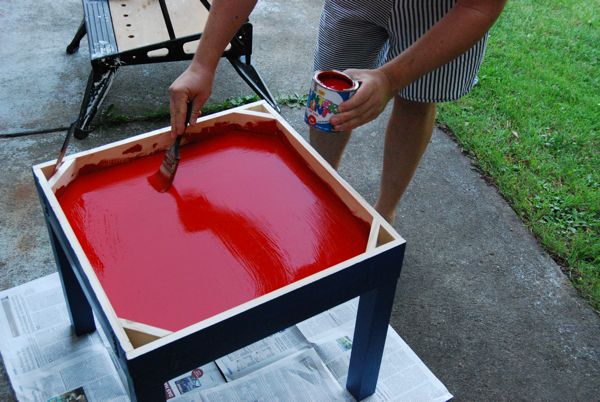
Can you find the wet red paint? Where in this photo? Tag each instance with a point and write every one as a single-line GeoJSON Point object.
{"type": "Point", "coordinates": [335, 81]}
{"type": "Point", "coordinates": [244, 217]}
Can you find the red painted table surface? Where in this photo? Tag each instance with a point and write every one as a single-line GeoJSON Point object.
{"type": "Point", "coordinates": [244, 216]}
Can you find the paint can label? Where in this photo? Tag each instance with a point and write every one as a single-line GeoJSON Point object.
{"type": "Point", "coordinates": [327, 91]}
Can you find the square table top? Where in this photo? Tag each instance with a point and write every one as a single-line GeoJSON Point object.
{"type": "Point", "coordinates": [245, 216]}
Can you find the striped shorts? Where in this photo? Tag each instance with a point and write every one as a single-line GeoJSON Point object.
{"type": "Point", "coordinates": [366, 34]}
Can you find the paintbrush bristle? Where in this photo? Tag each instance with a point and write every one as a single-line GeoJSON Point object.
{"type": "Point", "coordinates": [159, 182]}
{"type": "Point", "coordinates": [170, 162]}
{"type": "Point", "coordinates": [162, 180]}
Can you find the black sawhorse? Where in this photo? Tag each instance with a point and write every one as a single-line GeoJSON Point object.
{"type": "Point", "coordinates": [130, 32]}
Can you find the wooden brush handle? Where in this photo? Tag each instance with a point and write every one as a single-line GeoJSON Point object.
{"type": "Point", "coordinates": [188, 114]}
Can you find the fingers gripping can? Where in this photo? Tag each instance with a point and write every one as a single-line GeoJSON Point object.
{"type": "Point", "coordinates": [327, 91]}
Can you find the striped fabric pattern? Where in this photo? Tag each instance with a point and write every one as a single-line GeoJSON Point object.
{"type": "Point", "coordinates": [366, 34]}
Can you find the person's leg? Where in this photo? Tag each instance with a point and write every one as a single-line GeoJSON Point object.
{"type": "Point", "coordinates": [407, 135]}
{"type": "Point", "coordinates": [329, 145]}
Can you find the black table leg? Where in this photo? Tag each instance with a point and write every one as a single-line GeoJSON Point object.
{"type": "Point", "coordinates": [372, 320]}
{"type": "Point", "coordinates": [144, 391]}
{"type": "Point", "coordinates": [80, 310]}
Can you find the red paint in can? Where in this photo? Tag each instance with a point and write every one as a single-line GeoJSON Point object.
{"type": "Point", "coordinates": [334, 80]}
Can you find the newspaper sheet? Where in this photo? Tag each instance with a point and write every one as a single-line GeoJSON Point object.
{"type": "Point", "coordinates": [185, 388]}
{"type": "Point", "coordinates": [43, 358]}
{"type": "Point", "coordinates": [297, 377]}
{"type": "Point", "coordinates": [261, 353]}
{"type": "Point", "coordinates": [314, 328]}
{"type": "Point", "coordinates": [47, 362]}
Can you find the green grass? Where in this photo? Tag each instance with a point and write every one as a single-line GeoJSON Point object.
{"type": "Point", "coordinates": [111, 116]}
{"type": "Point", "coordinates": [533, 125]}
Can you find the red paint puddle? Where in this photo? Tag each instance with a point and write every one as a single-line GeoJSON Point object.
{"type": "Point", "coordinates": [244, 216]}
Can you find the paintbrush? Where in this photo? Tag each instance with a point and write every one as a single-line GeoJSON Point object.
{"type": "Point", "coordinates": [163, 178]}
{"type": "Point", "coordinates": [63, 149]}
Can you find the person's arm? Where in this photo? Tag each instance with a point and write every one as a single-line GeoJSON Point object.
{"type": "Point", "coordinates": [195, 83]}
{"type": "Point", "coordinates": [463, 26]}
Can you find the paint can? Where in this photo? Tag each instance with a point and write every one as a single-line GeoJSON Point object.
{"type": "Point", "coordinates": [327, 91]}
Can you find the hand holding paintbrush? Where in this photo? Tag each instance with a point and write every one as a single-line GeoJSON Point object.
{"type": "Point", "coordinates": [163, 178]}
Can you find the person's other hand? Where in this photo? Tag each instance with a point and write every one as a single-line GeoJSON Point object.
{"type": "Point", "coordinates": [193, 85]}
{"type": "Point", "coordinates": [367, 103]}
